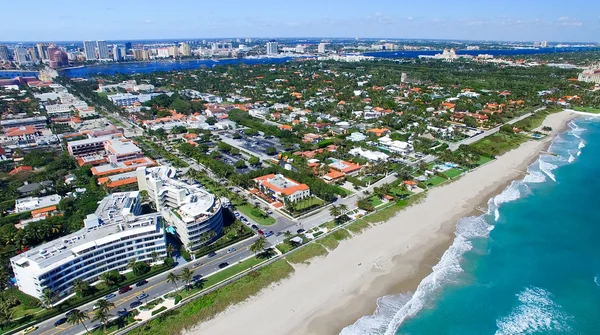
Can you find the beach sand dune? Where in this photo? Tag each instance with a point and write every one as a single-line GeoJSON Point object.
{"type": "Point", "coordinates": [392, 257]}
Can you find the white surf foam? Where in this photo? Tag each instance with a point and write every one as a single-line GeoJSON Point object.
{"type": "Point", "coordinates": [581, 145]}
{"type": "Point", "coordinates": [547, 168]}
{"type": "Point", "coordinates": [571, 158]}
{"type": "Point", "coordinates": [536, 313]}
{"type": "Point", "coordinates": [597, 280]}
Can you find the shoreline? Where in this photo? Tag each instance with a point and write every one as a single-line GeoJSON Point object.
{"type": "Point", "coordinates": [334, 291]}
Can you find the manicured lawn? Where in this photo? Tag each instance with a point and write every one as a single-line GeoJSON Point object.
{"type": "Point", "coordinates": [265, 220]}
{"type": "Point", "coordinates": [306, 253]}
{"type": "Point", "coordinates": [328, 224]}
{"type": "Point", "coordinates": [308, 203]}
{"type": "Point", "coordinates": [588, 110]}
{"type": "Point", "coordinates": [341, 189]}
{"type": "Point", "coordinates": [117, 324]}
{"type": "Point", "coordinates": [285, 247]}
{"type": "Point", "coordinates": [375, 201]}
{"type": "Point", "coordinates": [453, 173]}
{"type": "Point", "coordinates": [483, 160]}
{"type": "Point", "coordinates": [211, 304]}
{"type": "Point", "coordinates": [498, 144]}
{"type": "Point", "coordinates": [435, 180]}
{"type": "Point", "coordinates": [400, 192]}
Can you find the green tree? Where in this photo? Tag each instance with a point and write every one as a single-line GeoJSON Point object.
{"type": "Point", "coordinates": [259, 245]}
{"type": "Point", "coordinates": [102, 316]}
{"type": "Point", "coordinates": [170, 250]}
{"type": "Point", "coordinates": [47, 298]}
{"type": "Point", "coordinates": [186, 275]}
{"type": "Point", "coordinates": [78, 317]}
{"type": "Point", "coordinates": [240, 164]}
{"type": "Point", "coordinates": [81, 287]}
{"type": "Point", "coordinates": [335, 211]}
{"type": "Point", "coordinates": [254, 161]}
{"type": "Point", "coordinates": [173, 278]}
{"type": "Point", "coordinates": [343, 209]}
{"type": "Point", "coordinates": [270, 151]}
{"type": "Point", "coordinates": [154, 256]}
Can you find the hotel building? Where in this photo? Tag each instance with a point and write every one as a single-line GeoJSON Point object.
{"type": "Point", "coordinates": [111, 237]}
{"type": "Point", "coordinates": [278, 187]}
{"type": "Point", "coordinates": [191, 210]}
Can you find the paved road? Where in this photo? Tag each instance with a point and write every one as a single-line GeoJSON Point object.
{"type": "Point", "coordinates": [156, 287]}
{"type": "Point", "coordinates": [470, 140]}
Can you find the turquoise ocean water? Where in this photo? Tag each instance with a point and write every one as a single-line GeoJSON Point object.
{"type": "Point", "coordinates": [529, 266]}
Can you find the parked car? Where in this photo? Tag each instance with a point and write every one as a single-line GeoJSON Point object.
{"type": "Point", "coordinates": [255, 227]}
{"type": "Point", "coordinates": [60, 321]}
{"type": "Point", "coordinates": [142, 296]}
{"type": "Point", "coordinates": [30, 329]}
{"type": "Point", "coordinates": [141, 283]}
{"type": "Point", "coordinates": [197, 264]}
{"type": "Point", "coordinates": [123, 312]}
{"type": "Point", "coordinates": [261, 232]}
{"type": "Point", "coordinates": [109, 296]}
{"type": "Point", "coordinates": [237, 215]}
{"type": "Point", "coordinates": [70, 312]}
{"type": "Point", "coordinates": [243, 218]}
{"type": "Point", "coordinates": [230, 250]}
{"type": "Point", "coordinates": [125, 289]}
{"type": "Point", "coordinates": [300, 231]}
{"type": "Point", "coordinates": [135, 304]}
{"type": "Point", "coordinates": [278, 234]}
{"type": "Point", "coordinates": [211, 254]}
{"type": "Point", "coordinates": [269, 233]}
{"type": "Point", "coordinates": [223, 265]}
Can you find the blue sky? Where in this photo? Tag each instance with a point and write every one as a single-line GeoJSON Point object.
{"type": "Point", "coordinates": [526, 20]}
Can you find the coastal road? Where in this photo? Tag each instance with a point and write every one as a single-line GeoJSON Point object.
{"type": "Point", "coordinates": [157, 286]}
{"type": "Point", "coordinates": [470, 140]}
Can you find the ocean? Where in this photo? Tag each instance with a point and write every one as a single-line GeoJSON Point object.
{"type": "Point", "coordinates": [531, 265]}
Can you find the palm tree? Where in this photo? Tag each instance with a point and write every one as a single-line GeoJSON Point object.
{"type": "Point", "coordinates": [47, 298]}
{"type": "Point", "coordinates": [80, 286]}
{"type": "Point", "coordinates": [108, 279]}
{"type": "Point", "coordinates": [334, 211]}
{"type": "Point", "coordinates": [343, 209]}
{"type": "Point", "coordinates": [186, 275]}
{"type": "Point", "coordinates": [154, 256]}
{"type": "Point", "coordinates": [131, 264]}
{"type": "Point", "coordinates": [78, 316]}
{"type": "Point", "coordinates": [170, 250]}
{"type": "Point", "coordinates": [102, 316]}
{"type": "Point", "coordinates": [104, 305]}
{"type": "Point", "coordinates": [173, 278]}
{"type": "Point", "coordinates": [288, 234]}
{"type": "Point", "coordinates": [259, 245]}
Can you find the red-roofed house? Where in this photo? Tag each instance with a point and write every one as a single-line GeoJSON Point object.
{"type": "Point", "coordinates": [23, 168]}
{"type": "Point", "coordinates": [279, 187]}
{"type": "Point", "coordinates": [379, 131]}
{"type": "Point", "coordinates": [345, 167]}
{"type": "Point", "coordinates": [21, 133]}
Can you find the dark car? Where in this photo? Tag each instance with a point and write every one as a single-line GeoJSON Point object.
{"type": "Point", "coordinates": [261, 232]}
{"type": "Point", "coordinates": [300, 231]}
{"type": "Point", "coordinates": [211, 254]}
{"type": "Point", "coordinates": [123, 312]}
{"type": "Point", "coordinates": [255, 227]}
{"type": "Point", "coordinates": [141, 283]}
{"type": "Point", "coordinates": [60, 322]}
{"type": "Point", "coordinates": [125, 289]}
{"type": "Point", "coordinates": [197, 264]}
{"type": "Point", "coordinates": [135, 304]}
{"type": "Point", "coordinates": [223, 265]}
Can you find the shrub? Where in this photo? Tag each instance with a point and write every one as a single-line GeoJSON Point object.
{"type": "Point", "coordinates": [163, 308]}
{"type": "Point", "coordinates": [177, 299]}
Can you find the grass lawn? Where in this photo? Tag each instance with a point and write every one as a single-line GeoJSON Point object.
{"type": "Point", "coordinates": [483, 160]}
{"type": "Point", "coordinates": [375, 201]}
{"type": "Point", "coordinates": [306, 253]}
{"type": "Point", "coordinates": [117, 324]}
{"type": "Point", "coordinates": [587, 109]}
{"type": "Point", "coordinates": [453, 173]}
{"type": "Point", "coordinates": [308, 203]}
{"type": "Point", "coordinates": [218, 277]}
{"type": "Point", "coordinates": [284, 247]}
{"type": "Point", "coordinates": [332, 240]}
{"type": "Point", "coordinates": [213, 303]}
{"type": "Point", "coordinates": [435, 180]}
{"type": "Point", "coordinates": [498, 143]}
{"type": "Point", "coordinates": [265, 220]}
{"type": "Point", "coordinates": [22, 310]}
{"type": "Point", "coordinates": [341, 189]}
{"type": "Point", "coordinates": [329, 224]}
{"type": "Point", "coordinates": [400, 192]}
{"type": "Point", "coordinates": [358, 226]}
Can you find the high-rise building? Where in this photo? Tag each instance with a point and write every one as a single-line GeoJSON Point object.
{"type": "Point", "coordinates": [111, 237]}
{"type": "Point", "coordinates": [321, 48]}
{"type": "Point", "coordinates": [89, 47]}
{"type": "Point", "coordinates": [272, 48]}
{"type": "Point", "coordinates": [58, 58]}
{"type": "Point", "coordinates": [185, 50]}
{"type": "Point", "coordinates": [21, 55]}
{"type": "Point", "coordinates": [174, 51]}
{"type": "Point", "coordinates": [42, 51]}
{"type": "Point", "coordinates": [248, 40]}
{"type": "Point", "coordinates": [33, 55]}
{"type": "Point", "coordinates": [127, 46]}
{"type": "Point", "coordinates": [4, 55]}
{"type": "Point", "coordinates": [138, 54]}
{"type": "Point", "coordinates": [544, 44]}
{"type": "Point", "coordinates": [51, 51]}
{"type": "Point", "coordinates": [102, 50]}
{"type": "Point", "coordinates": [117, 53]}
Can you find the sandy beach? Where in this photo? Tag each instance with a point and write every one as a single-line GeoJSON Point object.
{"type": "Point", "coordinates": [393, 257]}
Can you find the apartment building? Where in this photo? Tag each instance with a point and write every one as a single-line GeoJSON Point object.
{"type": "Point", "coordinates": [191, 210]}
{"type": "Point", "coordinates": [279, 187]}
{"type": "Point", "coordinates": [111, 237]}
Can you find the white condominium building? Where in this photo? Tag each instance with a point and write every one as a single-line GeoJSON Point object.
{"type": "Point", "coordinates": [111, 237]}
{"type": "Point", "coordinates": [191, 210]}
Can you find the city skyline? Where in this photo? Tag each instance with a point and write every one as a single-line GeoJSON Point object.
{"type": "Point", "coordinates": [111, 20]}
